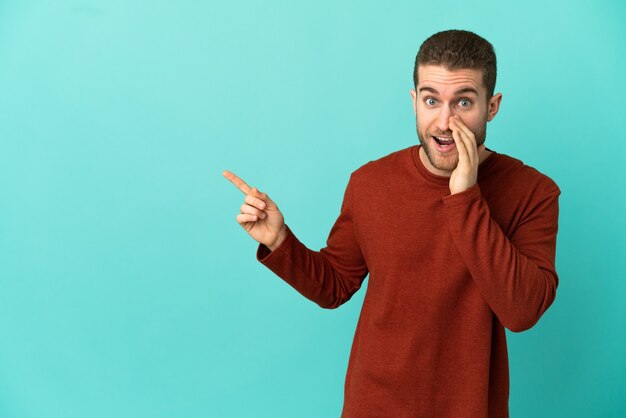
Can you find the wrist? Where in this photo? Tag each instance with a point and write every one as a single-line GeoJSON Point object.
{"type": "Point", "coordinates": [282, 234]}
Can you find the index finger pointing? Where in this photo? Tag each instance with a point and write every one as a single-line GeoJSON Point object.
{"type": "Point", "coordinates": [241, 185]}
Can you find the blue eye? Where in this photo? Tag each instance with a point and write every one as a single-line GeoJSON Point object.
{"type": "Point", "coordinates": [465, 103]}
{"type": "Point", "coordinates": [430, 101]}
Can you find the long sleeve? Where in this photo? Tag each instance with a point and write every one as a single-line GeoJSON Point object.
{"type": "Point", "coordinates": [328, 277]}
{"type": "Point", "coordinates": [447, 274]}
{"type": "Point", "coordinates": [516, 276]}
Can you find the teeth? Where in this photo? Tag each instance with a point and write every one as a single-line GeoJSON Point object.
{"type": "Point", "coordinates": [445, 140]}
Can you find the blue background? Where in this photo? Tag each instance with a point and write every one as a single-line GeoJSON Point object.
{"type": "Point", "coordinates": [127, 289]}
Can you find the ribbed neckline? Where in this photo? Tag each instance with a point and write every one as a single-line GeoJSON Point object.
{"type": "Point", "coordinates": [483, 168]}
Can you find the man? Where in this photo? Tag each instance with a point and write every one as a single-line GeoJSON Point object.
{"type": "Point", "coordinates": [459, 242]}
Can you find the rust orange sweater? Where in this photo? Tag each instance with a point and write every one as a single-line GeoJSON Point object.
{"type": "Point", "coordinates": [447, 274]}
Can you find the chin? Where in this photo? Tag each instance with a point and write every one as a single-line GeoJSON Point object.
{"type": "Point", "coordinates": [444, 163]}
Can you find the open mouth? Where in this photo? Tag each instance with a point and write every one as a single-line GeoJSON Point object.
{"type": "Point", "coordinates": [441, 140]}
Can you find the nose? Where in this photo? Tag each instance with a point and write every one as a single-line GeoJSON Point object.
{"type": "Point", "coordinates": [443, 119]}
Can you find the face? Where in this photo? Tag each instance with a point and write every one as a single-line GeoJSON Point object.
{"type": "Point", "coordinates": [442, 94]}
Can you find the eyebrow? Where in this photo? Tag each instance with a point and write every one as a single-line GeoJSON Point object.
{"type": "Point", "coordinates": [459, 91]}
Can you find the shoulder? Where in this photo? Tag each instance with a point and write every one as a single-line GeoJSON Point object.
{"type": "Point", "coordinates": [521, 178]}
{"type": "Point", "coordinates": [384, 168]}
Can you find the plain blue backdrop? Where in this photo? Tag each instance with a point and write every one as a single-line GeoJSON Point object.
{"type": "Point", "coordinates": [127, 289]}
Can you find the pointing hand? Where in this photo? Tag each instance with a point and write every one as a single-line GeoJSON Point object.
{"type": "Point", "coordinates": [259, 215]}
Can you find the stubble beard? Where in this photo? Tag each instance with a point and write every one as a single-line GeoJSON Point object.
{"type": "Point", "coordinates": [448, 163]}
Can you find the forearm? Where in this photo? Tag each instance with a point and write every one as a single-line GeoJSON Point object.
{"type": "Point", "coordinates": [516, 276]}
{"type": "Point", "coordinates": [317, 275]}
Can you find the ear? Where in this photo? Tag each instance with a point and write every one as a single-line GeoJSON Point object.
{"type": "Point", "coordinates": [493, 106]}
{"type": "Point", "coordinates": [414, 96]}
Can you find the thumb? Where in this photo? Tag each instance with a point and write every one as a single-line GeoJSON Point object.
{"type": "Point", "coordinates": [263, 196]}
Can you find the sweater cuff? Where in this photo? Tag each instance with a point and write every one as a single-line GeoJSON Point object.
{"type": "Point", "coordinates": [463, 197]}
{"type": "Point", "coordinates": [266, 256]}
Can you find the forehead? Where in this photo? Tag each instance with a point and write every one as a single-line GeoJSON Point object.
{"type": "Point", "coordinates": [448, 81]}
